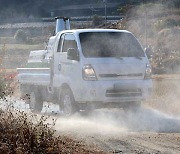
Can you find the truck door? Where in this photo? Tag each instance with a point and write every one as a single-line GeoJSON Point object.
{"type": "Point", "coordinates": [67, 70]}
{"type": "Point", "coordinates": [54, 65]}
{"type": "Point", "coordinates": [57, 65]}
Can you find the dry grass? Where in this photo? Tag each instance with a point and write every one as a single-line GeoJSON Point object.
{"type": "Point", "coordinates": [20, 135]}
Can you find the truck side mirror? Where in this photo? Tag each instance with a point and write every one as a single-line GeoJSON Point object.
{"type": "Point", "coordinates": [148, 52]}
{"type": "Point", "coordinates": [72, 54]}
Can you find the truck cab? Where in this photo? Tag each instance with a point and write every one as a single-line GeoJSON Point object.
{"type": "Point", "coordinates": [99, 68]}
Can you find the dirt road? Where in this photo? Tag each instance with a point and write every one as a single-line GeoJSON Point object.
{"type": "Point", "coordinates": [138, 143]}
{"type": "Point", "coordinates": [147, 131]}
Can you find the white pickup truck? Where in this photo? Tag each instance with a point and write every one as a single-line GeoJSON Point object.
{"type": "Point", "coordinates": [89, 69]}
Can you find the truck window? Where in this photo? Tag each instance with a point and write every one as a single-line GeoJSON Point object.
{"type": "Point", "coordinates": [69, 42]}
{"type": "Point", "coordinates": [60, 43]}
{"type": "Point", "coordinates": [110, 44]}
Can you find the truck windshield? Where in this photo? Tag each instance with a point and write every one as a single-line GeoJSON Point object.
{"type": "Point", "coordinates": [110, 44]}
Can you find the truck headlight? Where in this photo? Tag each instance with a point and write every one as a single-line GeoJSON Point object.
{"type": "Point", "coordinates": [148, 72]}
{"type": "Point", "coordinates": [89, 73]}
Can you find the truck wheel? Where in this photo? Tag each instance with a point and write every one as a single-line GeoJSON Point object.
{"type": "Point", "coordinates": [36, 103]}
{"type": "Point", "coordinates": [67, 105]}
{"type": "Point", "coordinates": [132, 106]}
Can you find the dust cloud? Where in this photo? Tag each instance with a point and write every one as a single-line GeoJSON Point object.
{"type": "Point", "coordinates": [107, 122]}
{"type": "Point", "coordinates": [114, 121]}
{"type": "Point", "coordinates": [160, 113]}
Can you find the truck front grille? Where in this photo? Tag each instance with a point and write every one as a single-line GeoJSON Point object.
{"type": "Point", "coordinates": [123, 92]}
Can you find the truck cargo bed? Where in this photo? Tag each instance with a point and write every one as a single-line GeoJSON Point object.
{"type": "Point", "coordinates": [35, 76]}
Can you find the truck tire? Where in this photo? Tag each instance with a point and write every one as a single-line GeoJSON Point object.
{"type": "Point", "coordinates": [132, 106]}
{"type": "Point", "coordinates": [36, 103]}
{"type": "Point", "coordinates": [67, 103]}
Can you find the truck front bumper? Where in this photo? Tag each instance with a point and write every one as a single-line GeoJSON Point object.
{"type": "Point", "coordinates": [113, 91]}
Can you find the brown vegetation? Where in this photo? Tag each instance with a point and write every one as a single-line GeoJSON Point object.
{"type": "Point", "coordinates": [19, 135]}
{"type": "Point", "coordinates": [25, 133]}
